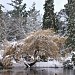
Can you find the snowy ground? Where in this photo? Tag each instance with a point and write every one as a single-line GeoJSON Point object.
{"type": "Point", "coordinates": [1, 54]}
{"type": "Point", "coordinates": [52, 64]}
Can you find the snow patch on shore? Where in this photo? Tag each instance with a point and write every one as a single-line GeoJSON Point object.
{"type": "Point", "coordinates": [51, 64]}
{"type": "Point", "coordinates": [1, 54]}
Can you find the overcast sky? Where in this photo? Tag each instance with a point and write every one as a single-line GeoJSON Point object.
{"type": "Point", "coordinates": [59, 4]}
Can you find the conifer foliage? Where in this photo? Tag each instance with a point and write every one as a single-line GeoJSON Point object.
{"type": "Point", "coordinates": [33, 19]}
{"type": "Point", "coordinates": [2, 26]}
{"type": "Point", "coordinates": [71, 24]}
{"type": "Point", "coordinates": [1, 6]}
{"type": "Point", "coordinates": [48, 17]}
{"type": "Point", "coordinates": [19, 8]}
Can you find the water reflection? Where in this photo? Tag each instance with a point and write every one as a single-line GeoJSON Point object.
{"type": "Point", "coordinates": [38, 71]}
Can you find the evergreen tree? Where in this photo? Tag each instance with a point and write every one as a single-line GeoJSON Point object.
{"type": "Point", "coordinates": [49, 16]}
{"type": "Point", "coordinates": [71, 24]}
{"type": "Point", "coordinates": [61, 22]}
{"type": "Point", "coordinates": [1, 9]}
{"type": "Point", "coordinates": [33, 19]}
{"type": "Point", "coordinates": [2, 24]}
{"type": "Point", "coordinates": [19, 8]}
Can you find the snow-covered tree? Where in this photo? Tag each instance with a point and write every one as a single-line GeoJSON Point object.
{"type": "Point", "coordinates": [33, 20]}
{"type": "Point", "coordinates": [15, 30]}
{"type": "Point", "coordinates": [2, 24]}
{"type": "Point", "coordinates": [71, 24]}
{"type": "Point", "coordinates": [17, 20]}
{"type": "Point", "coordinates": [18, 8]}
{"type": "Point", "coordinates": [1, 9]}
{"type": "Point", "coordinates": [49, 16]}
{"type": "Point", "coordinates": [62, 22]}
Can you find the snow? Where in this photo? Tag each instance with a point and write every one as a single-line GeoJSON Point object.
{"type": "Point", "coordinates": [17, 64]}
{"type": "Point", "coordinates": [48, 64]}
{"type": "Point", "coordinates": [20, 63]}
{"type": "Point", "coordinates": [69, 57]}
{"type": "Point", "coordinates": [51, 64]}
{"type": "Point", "coordinates": [72, 52]}
{"type": "Point", "coordinates": [1, 57]}
{"type": "Point", "coordinates": [62, 18]}
{"type": "Point", "coordinates": [1, 54]}
{"type": "Point", "coordinates": [13, 43]}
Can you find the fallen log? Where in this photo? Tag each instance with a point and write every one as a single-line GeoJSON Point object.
{"type": "Point", "coordinates": [30, 64]}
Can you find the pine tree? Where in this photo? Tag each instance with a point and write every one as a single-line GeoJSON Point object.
{"type": "Point", "coordinates": [0, 9]}
{"type": "Point", "coordinates": [61, 22]}
{"type": "Point", "coordinates": [2, 24]}
{"type": "Point", "coordinates": [49, 16]}
{"type": "Point", "coordinates": [71, 24]}
{"type": "Point", "coordinates": [19, 8]}
{"type": "Point", "coordinates": [1, 6]}
{"type": "Point", "coordinates": [33, 19]}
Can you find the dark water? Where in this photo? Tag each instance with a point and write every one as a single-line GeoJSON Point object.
{"type": "Point", "coordinates": [37, 71]}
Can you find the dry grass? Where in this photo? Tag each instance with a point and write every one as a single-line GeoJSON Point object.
{"type": "Point", "coordinates": [42, 41]}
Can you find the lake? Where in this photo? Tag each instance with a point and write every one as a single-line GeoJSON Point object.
{"type": "Point", "coordinates": [37, 71]}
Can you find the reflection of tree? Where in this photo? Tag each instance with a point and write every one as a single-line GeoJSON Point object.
{"type": "Point", "coordinates": [37, 43]}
